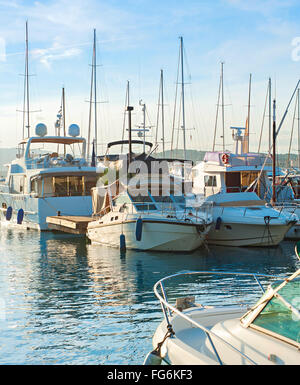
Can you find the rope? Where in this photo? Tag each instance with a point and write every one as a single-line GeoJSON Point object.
{"type": "Point", "coordinates": [169, 333]}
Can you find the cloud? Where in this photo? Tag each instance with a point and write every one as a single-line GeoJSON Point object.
{"type": "Point", "coordinates": [54, 53]}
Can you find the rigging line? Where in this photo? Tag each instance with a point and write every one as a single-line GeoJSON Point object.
{"type": "Point", "coordinates": [292, 132]}
{"type": "Point", "coordinates": [263, 121]}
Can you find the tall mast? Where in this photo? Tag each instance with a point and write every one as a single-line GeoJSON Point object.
{"type": "Point", "coordinates": [126, 105]}
{"type": "Point", "coordinates": [217, 114]}
{"type": "Point", "coordinates": [95, 92]}
{"type": "Point", "coordinates": [248, 119]}
{"type": "Point", "coordinates": [162, 111]}
{"type": "Point", "coordinates": [298, 97]}
{"type": "Point", "coordinates": [64, 115]}
{"type": "Point", "coordinates": [223, 122]}
{"type": "Point", "coordinates": [182, 97]}
{"type": "Point", "coordinates": [274, 154]}
{"type": "Point", "coordinates": [270, 112]}
{"type": "Point", "coordinates": [161, 103]}
{"type": "Point", "coordinates": [26, 112]}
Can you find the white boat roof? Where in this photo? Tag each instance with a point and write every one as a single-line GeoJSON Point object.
{"type": "Point", "coordinates": [53, 139]}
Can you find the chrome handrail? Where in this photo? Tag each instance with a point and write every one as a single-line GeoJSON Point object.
{"type": "Point", "coordinates": [166, 305]}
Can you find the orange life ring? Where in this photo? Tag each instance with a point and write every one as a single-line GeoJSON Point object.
{"type": "Point", "coordinates": [225, 158]}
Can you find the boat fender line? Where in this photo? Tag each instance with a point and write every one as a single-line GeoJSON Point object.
{"type": "Point", "coordinates": [218, 223]}
{"type": "Point", "coordinates": [154, 357]}
{"type": "Point", "coordinates": [8, 213]}
{"type": "Point", "coordinates": [267, 220]}
{"type": "Point", "coordinates": [139, 229]}
{"type": "Point", "coordinates": [20, 216]}
{"type": "Point", "coordinates": [122, 243]}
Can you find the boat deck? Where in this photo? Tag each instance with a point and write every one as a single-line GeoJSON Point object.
{"type": "Point", "coordinates": [69, 224]}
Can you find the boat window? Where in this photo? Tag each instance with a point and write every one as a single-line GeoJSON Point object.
{"type": "Point", "coordinates": [210, 180]}
{"type": "Point", "coordinates": [75, 185]}
{"type": "Point", "coordinates": [89, 183]}
{"type": "Point", "coordinates": [17, 183]}
{"type": "Point", "coordinates": [233, 181]}
{"type": "Point", "coordinates": [278, 318]}
{"type": "Point", "coordinates": [61, 186]}
{"type": "Point", "coordinates": [162, 199]}
{"type": "Point", "coordinates": [143, 202]}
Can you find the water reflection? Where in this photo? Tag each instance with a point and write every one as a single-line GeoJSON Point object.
{"type": "Point", "coordinates": [71, 302]}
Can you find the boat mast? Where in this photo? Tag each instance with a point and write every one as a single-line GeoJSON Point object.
{"type": "Point", "coordinates": [161, 103]}
{"type": "Point", "coordinates": [93, 90]}
{"type": "Point", "coordinates": [162, 110]}
{"type": "Point", "coordinates": [274, 154]}
{"type": "Point", "coordinates": [26, 111]}
{"type": "Point", "coordinates": [143, 105]}
{"type": "Point", "coordinates": [217, 113]}
{"type": "Point", "coordinates": [298, 96]}
{"type": "Point", "coordinates": [270, 112]}
{"type": "Point", "coordinates": [223, 121]}
{"type": "Point", "coordinates": [126, 104]}
{"type": "Point", "coordinates": [182, 97]}
{"type": "Point", "coordinates": [248, 119]}
{"type": "Point", "coordinates": [64, 115]}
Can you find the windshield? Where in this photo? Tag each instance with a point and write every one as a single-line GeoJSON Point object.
{"type": "Point", "coordinates": [278, 318]}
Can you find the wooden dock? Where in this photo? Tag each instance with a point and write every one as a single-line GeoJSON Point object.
{"type": "Point", "coordinates": [69, 224]}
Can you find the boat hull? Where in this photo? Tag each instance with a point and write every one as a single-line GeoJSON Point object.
{"type": "Point", "coordinates": [247, 234]}
{"type": "Point", "coordinates": [36, 210]}
{"type": "Point", "coordinates": [156, 235]}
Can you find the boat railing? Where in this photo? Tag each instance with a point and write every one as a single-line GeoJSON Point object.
{"type": "Point", "coordinates": [168, 308]}
{"type": "Point", "coordinates": [281, 209]}
{"type": "Point", "coordinates": [198, 214]}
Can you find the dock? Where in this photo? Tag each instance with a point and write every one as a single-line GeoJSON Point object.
{"type": "Point", "coordinates": [69, 224]}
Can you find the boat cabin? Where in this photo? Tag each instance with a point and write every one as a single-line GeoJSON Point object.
{"type": "Point", "coordinates": [230, 173]}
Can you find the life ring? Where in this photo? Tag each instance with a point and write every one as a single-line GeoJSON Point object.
{"type": "Point", "coordinates": [225, 158]}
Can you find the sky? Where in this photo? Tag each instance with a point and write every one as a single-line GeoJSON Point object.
{"type": "Point", "coordinates": [136, 39]}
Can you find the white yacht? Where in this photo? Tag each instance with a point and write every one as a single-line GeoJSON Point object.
{"type": "Point", "coordinates": [267, 333]}
{"type": "Point", "coordinates": [49, 177]}
{"type": "Point", "coordinates": [146, 218]}
{"type": "Point", "coordinates": [238, 185]}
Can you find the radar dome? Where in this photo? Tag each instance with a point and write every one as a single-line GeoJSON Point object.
{"type": "Point", "coordinates": [41, 129]}
{"type": "Point", "coordinates": [74, 130]}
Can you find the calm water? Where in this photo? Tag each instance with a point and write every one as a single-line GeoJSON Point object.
{"type": "Point", "coordinates": [64, 301]}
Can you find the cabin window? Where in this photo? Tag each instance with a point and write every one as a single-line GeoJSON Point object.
{"type": "Point", "coordinates": [17, 183]}
{"type": "Point", "coordinates": [233, 181]}
{"type": "Point", "coordinates": [210, 180]}
{"type": "Point", "coordinates": [143, 202]}
{"type": "Point", "coordinates": [62, 186]}
{"type": "Point", "coordinates": [75, 185]}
